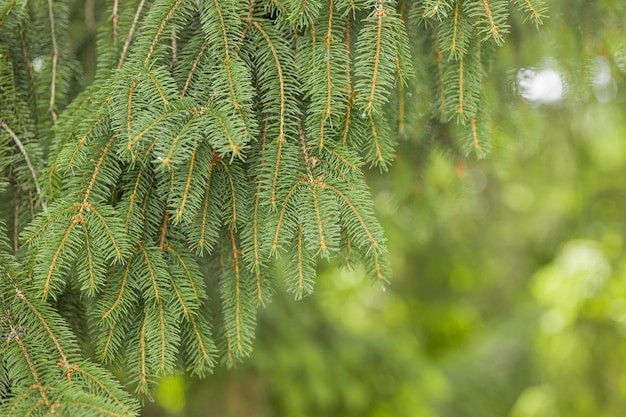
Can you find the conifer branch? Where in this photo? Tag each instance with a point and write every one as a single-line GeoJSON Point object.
{"type": "Point", "coordinates": [237, 300]}
{"type": "Point", "coordinates": [162, 362]}
{"type": "Point", "coordinates": [228, 61]}
{"type": "Point", "coordinates": [90, 265]}
{"type": "Point", "coordinates": [159, 33]}
{"type": "Point", "coordinates": [151, 272]}
{"type": "Point", "coordinates": [83, 140]}
{"type": "Point", "coordinates": [115, 20]}
{"type": "Point", "coordinates": [255, 221]}
{"type": "Point", "coordinates": [300, 261]}
{"type": "Point", "coordinates": [158, 88]}
{"type": "Point", "coordinates": [101, 384]}
{"type": "Point", "coordinates": [229, 352]}
{"type": "Point", "coordinates": [50, 221]}
{"type": "Point", "coordinates": [181, 209]}
{"type": "Point", "coordinates": [474, 134]}
{"type": "Point", "coordinates": [327, 57]}
{"type": "Point", "coordinates": [255, 240]}
{"type": "Point", "coordinates": [342, 158]}
{"type": "Point", "coordinates": [143, 379]}
{"type": "Point", "coordinates": [280, 6]}
{"type": "Point", "coordinates": [401, 105]}
{"type": "Point", "coordinates": [33, 371]}
{"type": "Point", "coordinates": [164, 223]}
{"type": "Point", "coordinates": [109, 232]}
{"type": "Point", "coordinates": [181, 301]}
{"type": "Point", "coordinates": [149, 140]}
{"type": "Point", "coordinates": [188, 273]}
{"type": "Point", "coordinates": [7, 9]}
{"type": "Point", "coordinates": [133, 199]}
{"type": "Point", "coordinates": [348, 251]}
{"type": "Point", "coordinates": [282, 213]}
{"type": "Point", "coordinates": [31, 73]}
{"type": "Point", "coordinates": [233, 192]}
{"type": "Point", "coordinates": [320, 223]}
{"type": "Point", "coordinates": [55, 258]}
{"type": "Point", "coordinates": [108, 341]}
{"type": "Point", "coordinates": [129, 112]}
{"type": "Point", "coordinates": [305, 152]}
{"type": "Point", "coordinates": [203, 349]}
{"type": "Point", "coordinates": [479, 49]}
{"type": "Point", "coordinates": [374, 244]}
{"type": "Point", "coordinates": [399, 71]}
{"type": "Point", "coordinates": [205, 204]}
{"type": "Point", "coordinates": [377, 145]}
{"type": "Point", "coordinates": [494, 29]}
{"type": "Point", "coordinates": [346, 129]}
{"type": "Point", "coordinates": [455, 34]}
{"type": "Point", "coordinates": [349, 92]}
{"type": "Point", "coordinates": [131, 34]}
{"type": "Point", "coordinates": [440, 86]}
{"type": "Point", "coordinates": [534, 12]}
{"type": "Point", "coordinates": [152, 125]}
{"type": "Point", "coordinates": [121, 292]}
{"type": "Point", "coordinates": [17, 402]}
{"type": "Point", "coordinates": [433, 11]}
{"type": "Point", "coordinates": [16, 221]}
{"type": "Point", "coordinates": [174, 48]}
{"type": "Point", "coordinates": [55, 59]}
{"type": "Point", "coordinates": [44, 323]}
{"type": "Point", "coordinates": [194, 65]}
{"type": "Point", "coordinates": [96, 171]}
{"type": "Point", "coordinates": [276, 169]}
{"type": "Point", "coordinates": [29, 163]}
{"type": "Point", "coordinates": [281, 82]}
{"type": "Point", "coordinates": [235, 148]}
{"type": "Point", "coordinates": [96, 408]}
{"type": "Point", "coordinates": [312, 35]}
{"type": "Point", "coordinates": [380, 14]}
{"type": "Point", "coordinates": [536, 9]}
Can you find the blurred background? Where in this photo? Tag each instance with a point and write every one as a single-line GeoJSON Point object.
{"type": "Point", "coordinates": [508, 295]}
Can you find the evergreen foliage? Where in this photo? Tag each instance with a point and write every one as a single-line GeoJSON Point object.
{"type": "Point", "coordinates": [214, 137]}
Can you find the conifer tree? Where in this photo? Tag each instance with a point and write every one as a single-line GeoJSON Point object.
{"type": "Point", "coordinates": [206, 145]}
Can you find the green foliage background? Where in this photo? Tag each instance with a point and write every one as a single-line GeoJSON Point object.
{"type": "Point", "coordinates": [509, 290]}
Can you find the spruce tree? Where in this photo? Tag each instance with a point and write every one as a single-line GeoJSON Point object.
{"type": "Point", "coordinates": [164, 161]}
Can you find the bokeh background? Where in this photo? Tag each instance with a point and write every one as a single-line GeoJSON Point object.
{"type": "Point", "coordinates": [508, 295]}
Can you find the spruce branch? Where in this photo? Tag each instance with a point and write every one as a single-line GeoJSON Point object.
{"type": "Point", "coordinates": [281, 129]}
{"type": "Point", "coordinates": [115, 19]}
{"type": "Point", "coordinates": [380, 13]}
{"type": "Point", "coordinates": [55, 59]}
{"type": "Point", "coordinates": [157, 36]}
{"type": "Point", "coordinates": [131, 34]}
{"type": "Point", "coordinates": [29, 163]}
{"type": "Point", "coordinates": [214, 137]}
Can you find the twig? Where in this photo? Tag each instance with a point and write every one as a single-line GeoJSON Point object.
{"type": "Point", "coordinates": [115, 20]}
{"type": "Point", "coordinates": [22, 149]}
{"type": "Point", "coordinates": [304, 150]}
{"type": "Point", "coordinates": [131, 33]}
{"type": "Point", "coordinates": [55, 58]}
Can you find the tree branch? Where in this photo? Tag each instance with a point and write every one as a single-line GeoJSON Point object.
{"type": "Point", "coordinates": [31, 167]}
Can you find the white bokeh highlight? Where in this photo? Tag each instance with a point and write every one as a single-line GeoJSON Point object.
{"type": "Point", "coordinates": [544, 86]}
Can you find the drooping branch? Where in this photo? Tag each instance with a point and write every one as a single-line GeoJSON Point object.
{"type": "Point", "coordinates": [55, 59]}
{"type": "Point", "coordinates": [29, 163]}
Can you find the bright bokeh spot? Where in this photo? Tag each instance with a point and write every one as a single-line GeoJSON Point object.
{"type": "Point", "coordinates": [545, 86]}
{"type": "Point", "coordinates": [604, 86]}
